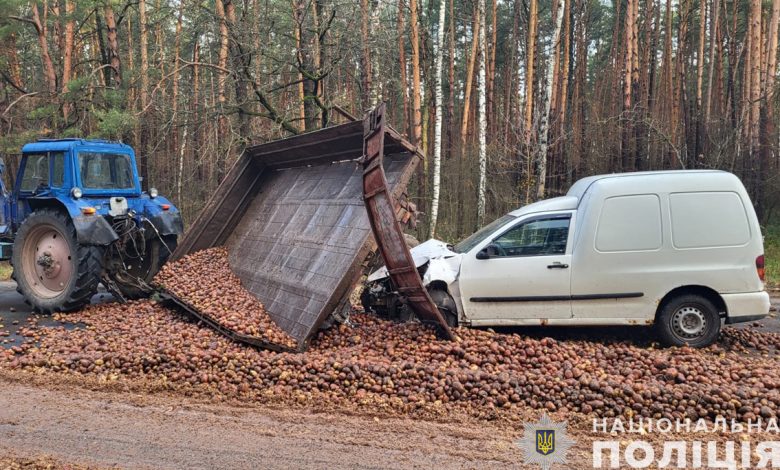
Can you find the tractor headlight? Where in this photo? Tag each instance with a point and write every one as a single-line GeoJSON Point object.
{"type": "Point", "coordinates": [152, 193]}
{"type": "Point", "coordinates": [76, 193]}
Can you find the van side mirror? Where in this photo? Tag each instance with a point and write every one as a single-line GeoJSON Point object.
{"type": "Point", "coordinates": [490, 251]}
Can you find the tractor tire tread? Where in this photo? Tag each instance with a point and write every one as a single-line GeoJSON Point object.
{"type": "Point", "coordinates": [88, 268]}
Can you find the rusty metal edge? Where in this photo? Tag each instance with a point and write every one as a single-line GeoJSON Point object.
{"type": "Point", "coordinates": [374, 125]}
{"type": "Point", "coordinates": [169, 297]}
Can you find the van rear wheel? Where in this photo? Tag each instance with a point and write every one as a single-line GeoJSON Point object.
{"type": "Point", "coordinates": [690, 320]}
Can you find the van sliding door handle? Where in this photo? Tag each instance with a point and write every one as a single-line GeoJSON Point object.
{"type": "Point", "coordinates": [557, 265]}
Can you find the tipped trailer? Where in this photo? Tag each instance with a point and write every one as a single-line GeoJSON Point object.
{"type": "Point", "coordinates": [300, 215]}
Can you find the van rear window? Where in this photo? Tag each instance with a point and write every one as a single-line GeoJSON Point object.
{"type": "Point", "coordinates": [630, 223]}
{"type": "Point", "coordinates": [708, 220]}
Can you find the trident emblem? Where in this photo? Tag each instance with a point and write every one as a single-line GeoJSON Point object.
{"type": "Point", "coordinates": [545, 441]}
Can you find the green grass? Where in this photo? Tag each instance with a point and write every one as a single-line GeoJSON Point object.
{"type": "Point", "coordinates": [5, 270]}
{"type": "Point", "coordinates": [772, 254]}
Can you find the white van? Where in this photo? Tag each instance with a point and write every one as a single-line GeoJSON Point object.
{"type": "Point", "coordinates": [679, 249]}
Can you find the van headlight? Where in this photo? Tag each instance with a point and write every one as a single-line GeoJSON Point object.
{"type": "Point", "coordinates": [76, 193]}
{"type": "Point", "coordinates": [152, 193]}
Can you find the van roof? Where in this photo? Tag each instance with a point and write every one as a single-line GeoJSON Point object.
{"type": "Point", "coordinates": [562, 203]}
{"type": "Point", "coordinates": [581, 186]}
{"type": "Point", "coordinates": [571, 200]}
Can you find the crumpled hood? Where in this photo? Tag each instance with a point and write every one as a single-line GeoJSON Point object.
{"type": "Point", "coordinates": [424, 252]}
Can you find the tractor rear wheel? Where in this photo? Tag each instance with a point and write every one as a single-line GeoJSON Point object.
{"type": "Point", "coordinates": [51, 269]}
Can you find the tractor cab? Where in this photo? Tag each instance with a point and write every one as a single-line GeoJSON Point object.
{"type": "Point", "coordinates": [84, 198]}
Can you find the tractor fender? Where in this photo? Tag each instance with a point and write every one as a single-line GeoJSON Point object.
{"type": "Point", "coordinates": [167, 223]}
{"type": "Point", "coordinates": [93, 230]}
{"type": "Point", "coordinates": [90, 229]}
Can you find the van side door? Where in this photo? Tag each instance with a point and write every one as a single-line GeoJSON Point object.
{"type": "Point", "coordinates": [622, 267]}
{"type": "Point", "coordinates": [522, 274]}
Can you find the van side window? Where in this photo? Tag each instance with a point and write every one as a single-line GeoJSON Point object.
{"type": "Point", "coordinates": [534, 238]}
{"type": "Point", "coordinates": [708, 220]}
{"type": "Point", "coordinates": [630, 223]}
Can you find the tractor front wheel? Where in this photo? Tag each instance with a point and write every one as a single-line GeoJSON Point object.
{"type": "Point", "coordinates": [52, 271]}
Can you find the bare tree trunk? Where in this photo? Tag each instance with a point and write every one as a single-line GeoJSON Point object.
{"type": "Point", "coordinates": [416, 111]}
{"type": "Point", "coordinates": [771, 61]}
{"type": "Point", "coordinates": [144, 45]}
{"type": "Point", "coordinates": [175, 79]}
{"type": "Point", "coordinates": [469, 82]}
{"type": "Point", "coordinates": [512, 72]}
{"type": "Point", "coordinates": [529, 71]}
{"type": "Point", "coordinates": [48, 66]}
{"type": "Point", "coordinates": [14, 66]}
{"type": "Point", "coordinates": [438, 52]}
{"type": "Point", "coordinates": [482, 118]}
{"type": "Point", "coordinates": [698, 155]}
{"type": "Point", "coordinates": [113, 44]}
{"type": "Point", "coordinates": [714, 30]}
{"type": "Point", "coordinates": [578, 112]}
{"type": "Point", "coordinates": [224, 42]}
{"type": "Point", "coordinates": [626, 151]}
{"type": "Point", "coordinates": [67, 55]}
{"type": "Point", "coordinates": [365, 57]}
{"type": "Point", "coordinates": [560, 153]}
{"type": "Point", "coordinates": [491, 66]}
{"type": "Point", "coordinates": [769, 144]}
{"type": "Point", "coordinates": [180, 174]}
{"type": "Point", "coordinates": [238, 57]}
{"type": "Point", "coordinates": [700, 54]}
{"type": "Point", "coordinates": [543, 124]}
{"type": "Point", "coordinates": [319, 58]}
{"type": "Point", "coordinates": [755, 77]}
{"type": "Point", "coordinates": [405, 122]}
{"type": "Point", "coordinates": [667, 80]}
{"type": "Point", "coordinates": [451, 81]}
{"type": "Point", "coordinates": [464, 123]}
{"type": "Point", "coordinates": [195, 106]}
{"type": "Point", "coordinates": [298, 18]}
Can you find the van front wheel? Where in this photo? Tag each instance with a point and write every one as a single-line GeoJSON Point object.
{"type": "Point", "coordinates": [689, 320]}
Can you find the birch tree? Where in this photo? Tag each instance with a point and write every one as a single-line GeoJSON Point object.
{"type": "Point", "coordinates": [482, 119]}
{"type": "Point", "coordinates": [415, 38]}
{"type": "Point", "coordinates": [541, 158]}
{"type": "Point", "coordinates": [438, 52]}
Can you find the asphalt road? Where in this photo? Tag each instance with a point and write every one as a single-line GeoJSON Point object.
{"type": "Point", "coordinates": [14, 313]}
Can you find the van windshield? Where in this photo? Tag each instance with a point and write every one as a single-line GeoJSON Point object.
{"type": "Point", "coordinates": [106, 170]}
{"type": "Point", "coordinates": [474, 239]}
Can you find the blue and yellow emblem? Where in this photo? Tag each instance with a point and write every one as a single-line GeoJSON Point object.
{"type": "Point", "coordinates": [545, 441]}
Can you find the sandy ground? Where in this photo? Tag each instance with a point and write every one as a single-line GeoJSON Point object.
{"type": "Point", "coordinates": [135, 431]}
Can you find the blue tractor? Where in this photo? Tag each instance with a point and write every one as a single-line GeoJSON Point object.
{"type": "Point", "coordinates": [77, 216]}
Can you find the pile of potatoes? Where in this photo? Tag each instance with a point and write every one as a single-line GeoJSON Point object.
{"type": "Point", "coordinates": [404, 367]}
{"type": "Point", "coordinates": [204, 280]}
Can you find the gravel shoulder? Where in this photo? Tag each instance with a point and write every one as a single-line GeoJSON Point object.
{"type": "Point", "coordinates": [151, 431]}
